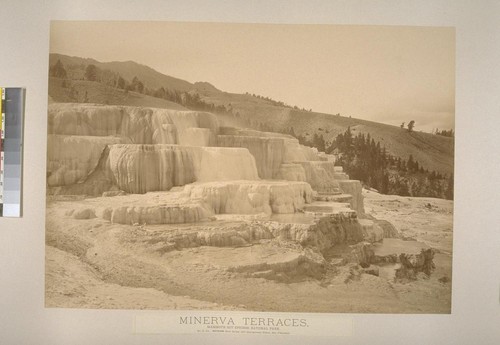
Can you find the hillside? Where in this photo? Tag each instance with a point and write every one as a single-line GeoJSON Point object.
{"type": "Point", "coordinates": [128, 70]}
{"type": "Point", "coordinates": [83, 91]}
{"type": "Point", "coordinates": [433, 152]}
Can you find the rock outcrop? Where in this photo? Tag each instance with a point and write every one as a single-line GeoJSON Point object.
{"type": "Point", "coordinates": [353, 187]}
{"type": "Point", "coordinates": [201, 201]}
{"type": "Point", "coordinates": [157, 214]}
{"type": "Point", "coordinates": [216, 204]}
{"type": "Point", "coordinates": [268, 152]}
{"type": "Point", "coordinates": [139, 124]}
{"type": "Point", "coordinates": [246, 132]}
{"type": "Point", "coordinates": [406, 259]}
{"type": "Point", "coordinates": [294, 152]}
{"type": "Point", "coordinates": [280, 156]}
{"type": "Point", "coordinates": [372, 232]}
{"type": "Point", "coordinates": [412, 264]}
{"type": "Point", "coordinates": [320, 233]}
{"type": "Point", "coordinates": [285, 147]}
{"type": "Point", "coordinates": [332, 230]}
{"type": "Point", "coordinates": [247, 197]}
{"type": "Point", "coordinates": [158, 166]}
{"type": "Point", "coordinates": [211, 234]}
{"type": "Point", "coordinates": [321, 176]}
{"type": "Point", "coordinates": [145, 168]}
{"type": "Point", "coordinates": [340, 174]}
{"type": "Point", "coordinates": [389, 230]}
{"type": "Point", "coordinates": [291, 172]}
{"type": "Point", "coordinates": [71, 159]}
{"type": "Point", "coordinates": [280, 264]}
{"type": "Point", "coordinates": [329, 207]}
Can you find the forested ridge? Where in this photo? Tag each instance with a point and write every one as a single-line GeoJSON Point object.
{"type": "Point", "coordinates": [368, 161]}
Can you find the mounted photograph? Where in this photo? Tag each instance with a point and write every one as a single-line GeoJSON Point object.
{"type": "Point", "coordinates": [250, 167]}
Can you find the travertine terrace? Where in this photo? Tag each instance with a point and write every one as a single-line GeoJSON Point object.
{"type": "Point", "coordinates": [173, 202]}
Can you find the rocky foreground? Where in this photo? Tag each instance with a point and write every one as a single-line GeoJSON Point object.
{"type": "Point", "coordinates": [164, 209]}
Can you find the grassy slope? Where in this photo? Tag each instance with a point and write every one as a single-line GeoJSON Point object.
{"type": "Point", "coordinates": [432, 151]}
{"type": "Point", "coordinates": [128, 70]}
{"type": "Point", "coordinates": [101, 94]}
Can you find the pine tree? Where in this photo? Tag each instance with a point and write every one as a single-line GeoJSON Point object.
{"type": "Point", "coordinates": [411, 124]}
{"type": "Point", "coordinates": [160, 93]}
{"type": "Point", "coordinates": [366, 160]}
{"type": "Point", "coordinates": [384, 186]}
{"type": "Point", "coordinates": [91, 73]}
{"type": "Point", "coordinates": [57, 70]}
{"type": "Point", "coordinates": [120, 83]}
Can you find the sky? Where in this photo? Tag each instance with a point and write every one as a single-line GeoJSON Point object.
{"type": "Point", "coordinates": [389, 74]}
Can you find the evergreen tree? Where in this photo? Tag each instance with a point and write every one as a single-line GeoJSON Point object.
{"type": "Point", "coordinates": [160, 93]}
{"type": "Point", "coordinates": [411, 124]}
{"type": "Point", "coordinates": [366, 160]}
{"type": "Point", "coordinates": [57, 70]}
{"type": "Point", "coordinates": [410, 164]}
{"type": "Point", "coordinates": [137, 85]}
{"type": "Point", "coordinates": [319, 142]}
{"type": "Point", "coordinates": [91, 72]}
{"type": "Point", "coordinates": [140, 87]}
{"type": "Point", "coordinates": [120, 83]}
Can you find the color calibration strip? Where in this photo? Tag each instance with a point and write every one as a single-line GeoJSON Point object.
{"type": "Point", "coordinates": [11, 151]}
{"type": "Point", "coordinates": [2, 126]}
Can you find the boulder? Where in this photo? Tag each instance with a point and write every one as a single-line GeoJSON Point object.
{"type": "Point", "coordinates": [413, 264]}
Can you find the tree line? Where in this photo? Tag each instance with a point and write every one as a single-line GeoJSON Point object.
{"type": "Point", "coordinates": [93, 73]}
{"type": "Point", "coordinates": [277, 103]}
{"type": "Point", "coordinates": [367, 160]}
{"type": "Point", "coordinates": [190, 100]}
{"type": "Point", "coordinates": [445, 133]}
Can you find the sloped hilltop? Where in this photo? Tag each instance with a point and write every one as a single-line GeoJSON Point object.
{"type": "Point", "coordinates": [147, 204]}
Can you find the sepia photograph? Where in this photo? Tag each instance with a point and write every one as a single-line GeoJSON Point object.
{"type": "Point", "coordinates": [298, 168]}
